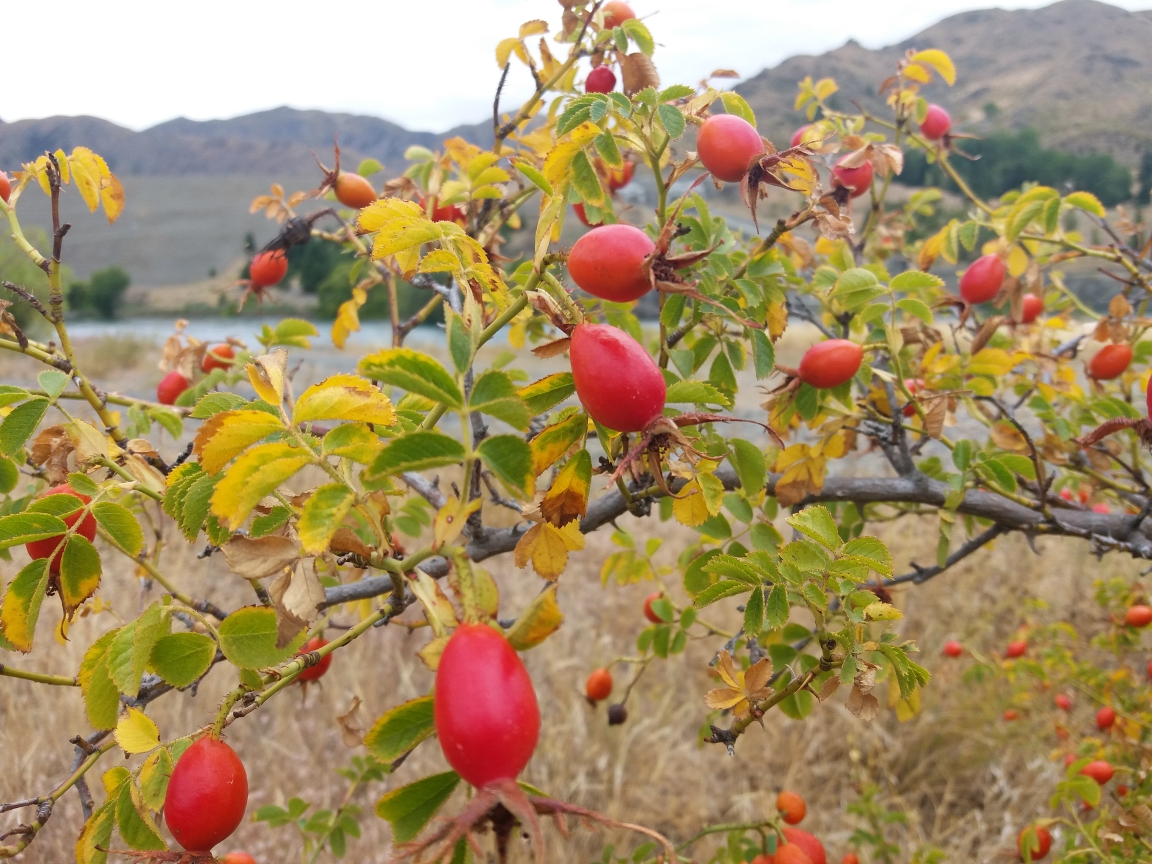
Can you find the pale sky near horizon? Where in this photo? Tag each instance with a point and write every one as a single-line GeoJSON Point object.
{"type": "Point", "coordinates": [139, 63]}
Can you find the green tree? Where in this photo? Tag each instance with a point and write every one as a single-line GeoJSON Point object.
{"type": "Point", "coordinates": [101, 295]}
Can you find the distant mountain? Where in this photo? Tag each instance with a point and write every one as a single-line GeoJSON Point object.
{"type": "Point", "coordinates": [266, 143]}
{"type": "Point", "coordinates": [1079, 71]}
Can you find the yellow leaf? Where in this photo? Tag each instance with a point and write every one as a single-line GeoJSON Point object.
{"type": "Point", "coordinates": [323, 513]}
{"type": "Point", "coordinates": [691, 508]}
{"type": "Point", "coordinates": [266, 373]}
{"type": "Point", "coordinates": [547, 547]}
{"type": "Point", "coordinates": [917, 73]}
{"type": "Point", "coordinates": [1017, 262]}
{"type": "Point", "coordinates": [86, 173]}
{"type": "Point", "coordinates": [536, 623]}
{"type": "Point", "coordinates": [504, 49]}
{"type": "Point", "coordinates": [939, 61]}
{"type": "Point", "coordinates": [136, 733]}
{"type": "Point", "coordinates": [439, 261]}
{"type": "Point", "coordinates": [257, 473]}
{"type": "Point", "coordinates": [225, 435]}
{"type": "Point", "coordinates": [533, 28]}
{"type": "Point", "coordinates": [567, 499]}
{"type": "Point", "coordinates": [452, 518]}
{"type": "Point", "coordinates": [437, 609]}
{"type": "Point", "coordinates": [400, 226]}
{"type": "Point", "coordinates": [348, 317]}
{"type": "Point", "coordinates": [345, 397]}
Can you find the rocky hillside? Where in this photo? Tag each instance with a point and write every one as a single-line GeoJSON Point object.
{"type": "Point", "coordinates": [1079, 71]}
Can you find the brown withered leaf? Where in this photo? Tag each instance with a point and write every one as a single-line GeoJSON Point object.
{"type": "Point", "coordinates": [50, 450]}
{"type": "Point", "coordinates": [744, 687]}
{"type": "Point", "coordinates": [352, 724]}
{"type": "Point", "coordinates": [863, 705]}
{"type": "Point", "coordinates": [830, 687]}
{"type": "Point", "coordinates": [143, 447]}
{"type": "Point", "coordinates": [1100, 334]}
{"type": "Point", "coordinates": [297, 596]}
{"type": "Point", "coordinates": [887, 159]}
{"type": "Point", "coordinates": [833, 227]}
{"type": "Point", "coordinates": [552, 349]}
{"type": "Point", "coordinates": [639, 72]}
{"type": "Point", "coordinates": [1119, 307]}
{"type": "Point", "coordinates": [1007, 437]}
{"type": "Point", "coordinates": [430, 653]}
{"type": "Point", "coordinates": [260, 558]}
{"type": "Point", "coordinates": [985, 333]}
{"type": "Point", "coordinates": [724, 73]}
{"type": "Point", "coordinates": [935, 411]}
{"type": "Point", "coordinates": [345, 542]}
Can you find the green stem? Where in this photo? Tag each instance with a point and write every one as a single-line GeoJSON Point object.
{"type": "Point", "coordinates": [38, 677]}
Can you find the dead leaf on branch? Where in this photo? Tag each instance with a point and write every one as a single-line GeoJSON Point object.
{"type": "Point", "coordinates": [744, 687]}
{"type": "Point", "coordinates": [639, 72]}
{"type": "Point", "coordinates": [297, 596]}
{"type": "Point", "coordinates": [260, 558]}
{"type": "Point", "coordinates": [50, 450]}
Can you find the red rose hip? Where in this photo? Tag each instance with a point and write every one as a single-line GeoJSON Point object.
{"type": "Point", "coordinates": [981, 281]}
{"type": "Point", "coordinates": [1100, 771]}
{"type": "Point", "coordinates": [1038, 850]}
{"type": "Point", "coordinates": [1016, 649]}
{"type": "Point", "coordinates": [5, 187]}
{"type": "Point", "coordinates": [354, 191]}
{"type": "Point", "coordinates": [1063, 702]}
{"type": "Point", "coordinates": [857, 180]}
{"type": "Point", "coordinates": [170, 388]}
{"type": "Point", "coordinates": [268, 268]}
{"type": "Point", "coordinates": [485, 710]}
{"type": "Point", "coordinates": [600, 80]}
{"type": "Point", "coordinates": [616, 12]}
{"type": "Point", "coordinates": [598, 687]}
{"type": "Point", "coordinates": [812, 847]}
{"type": "Point", "coordinates": [1138, 616]}
{"type": "Point", "coordinates": [953, 649]}
{"type": "Point", "coordinates": [608, 262]}
{"type": "Point", "coordinates": [207, 795]}
{"type": "Point", "coordinates": [217, 357]}
{"type": "Point", "coordinates": [798, 135]}
{"type": "Point", "coordinates": [616, 380]}
{"type": "Point", "coordinates": [313, 673]}
{"type": "Point", "coordinates": [1110, 361]}
{"type": "Point", "coordinates": [727, 144]}
{"type": "Point", "coordinates": [937, 123]}
{"type": "Point", "coordinates": [1105, 718]}
{"type": "Point", "coordinates": [1031, 308]}
{"type": "Point", "coordinates": [649, 612]}
{"type": "Point", "coordinates": [44, 548]}
{"type": "Point", "coordinates": [830, 363]}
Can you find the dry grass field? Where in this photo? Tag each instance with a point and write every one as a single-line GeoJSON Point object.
{"type": "Point", "coordinates": [967, 781]}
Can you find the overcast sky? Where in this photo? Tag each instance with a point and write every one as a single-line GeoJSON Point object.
{"type": "Point", "coordinates": [426, 65]}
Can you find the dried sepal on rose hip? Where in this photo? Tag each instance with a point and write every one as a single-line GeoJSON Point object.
{"type": "Point", "coordinates": [351, 190]}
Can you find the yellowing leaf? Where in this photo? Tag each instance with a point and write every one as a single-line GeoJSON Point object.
{"type": "Point", "coordinates": [536, 623]}
{"type": "Point", "coordinates": [1017, 262]}
{"type": "Point", "coordinates": [323, 513]}
{"type": "Point", "coordinates": [437, 609]}
{"type": "Point", "coordinates": [266, 373]}
{"type": "Point", "coordinates": [227, 434]}
{"type": "Point", "coordinates": [348, 317]}
{"type": "Point", "coordinates": [533, 28]}
{"type": "Point", "coordinates": [547, 547]}
{"type": "Point", "coordinates": [938, 60]}
{"type": "Point", "coordinates": [345, 397]}
{"type": "Point", "coordinates": [136, 733]}
{"type": "Point", "coordinates": [255, 474]}
{"type": "Point", "coordinates": [802, 474]}
{"type": "Point", "coordinates": [399, 225]}
{"type": "Point", "coordinates": [451, 519]}
{"type": "Point", "coordinates": [567, 499]}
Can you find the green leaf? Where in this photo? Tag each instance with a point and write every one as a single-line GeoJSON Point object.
{"type": "Point", "coordinates": [916, 308]}
{"type": "Point", "coordinates": [529, 170]}
{"type": "Point", "coordinates": [323, 513]}
{"type": "Point", "coordinates": [53, 382]}
{"type": "Point", "coordinates": [400, 729]}
{"type": "Point", "coordinates": [19, 425]}
{"type": "Point", "coordinates": [763, 354]}
{"type": "Point", "coordinates": [23, 528]}
{"type": "Point", "coordinates": [131, 650]}
{"type": "Point", "coordinates": [181, 658]}
{"type": "Point", "coordinates": [739, 569]}
{"type": "Point", "coordinates": [79, 572]}
{"type": "Point", "coordinates": [214, 403]}
{"type": "Point", "coordinates": [639, 34]}
{"type": "Point", "coordinates": [495, 394]}
{"type": "Point", "coordinates": [459, 340]}
{"type": "Point", "coordinates": [417, 451]}
{"type": "Point", "coordinates": [915, 280]}
{"type": "Point", "coordinates": [97, 835]}
{"type": "Point", "coordinates": [1087, 202]}
{"type": "Point", "coordinates": [748, 460]}
{"type": "Point", "coordinates": [9, 475]}
{"type": "Point", "coordinates": [409, 808]}
{"type": "Point", "coordinates": [606, 147]}
{"type": "Point", "coordinates": [676, 91]}
{"type": "Point", "coordinates": [586, 181]}
{"type": "Point", "coordinates": [368, 167]}
{"type": "Point", "coordinates": [871, 550]}
{"type": "Point", "coordinates": [856, 288]}
{"type": "Point", "coordinates": [248, 638]}
{"type": "Point", "coordinates": [121, 526]}
{"type": "Point", "coordinates": [137, 828]}
{"type": "Point", "coordinates": [817, 523]}
{"type": "Point", "coordinates": [154, 774]}
{"type": "Point", "coordinates": [697, 393]}
{"type": "Point", "coordinates": [776, 608]}
{"type": "Point", "coordinates": [734, 104]}
{"type": "Point", "coordinates": [170, 421]}
{"type": "Point", "coordinates": [510, 459]}
{"type": "Point", "coordinates": [415, 372]}
{"type": "Point", "coordinates": [798, 706]}
{"type": "Point", "coordinates": [754, 612]}
{"type": "Point", "coordinates": [21, 606]}
{"type": "Point", "coordinates": [672, 120]}
{"type": "Point", "coordinates": [547, 393]}
{"type": "Point", "coordinates": [718, 591]}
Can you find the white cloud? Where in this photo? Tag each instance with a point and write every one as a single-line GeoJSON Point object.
{"type": "Point", "coordinates": [426, 65]}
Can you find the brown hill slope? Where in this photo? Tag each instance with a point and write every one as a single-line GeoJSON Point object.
{"type": "Point", "coordinates": [1079, 71]}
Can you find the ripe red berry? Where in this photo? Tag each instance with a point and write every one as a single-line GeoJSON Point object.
{"type": "Point", "coordinates": [953, 649]}
{"type": "Point", "coordinates": [1040, 850]}
{"type": "Point", "coordinates": [763, 859]}
{"type": "Point", "coordinates": [485, 710]}
{"type": "Point", "coordinates": [1110, 361]}
{"type": "Point", "coordinates": [620, 177]}
{"type": "Point", "coordinates": [1101, 508]}
{"type": "Point", "coordinates": [5, 187]}
{"type": "Point", "coordinates": [616, 12]}
{"type": "Point", "coordinates": [354, 191]}
{"type": "Point", "coordinates": [1066, 494]}
{"type": "Point", "coordinates": [312, 673]}
{"type": "Point", "coordinates": [791, 807]}
{"type": "Point", "coordinates": [1011, 714]}
{"type": "Point", "coordinates": [1100, 771]}
{"type": "Point", "coordinates": [790, 853]}
{"type": "Point", "coordinates": [858, 180]}
{"type": "Point", "coordinates": [600, 80]}
{"type": "Point", "coordinates": [914, 385]}
{"type": "Point", "coordinates": [238, 858]}
{"type": "Point", "coordinates": [798, 135]}
{"type": "Point", "coordinates": [1031, 308]}
{"type": "Point", "coordinates": [445, 213]}
{"type": "Point", "coordinates": [830, 363]}
{"type": "Point", "coordinates": [812, 847]}
{"type": "Point", "coordinates": [936, 123]}
{"type": "Point", "coordinates": [170, 388]}
{"type": "Point", "coordinates": [217, 357]}
{"type": "Point", "coordinates": [44, 548]}
{"type": "Point", "coordinates": [649, 612]}
{"type": "Point", "coordinates": [1016, 649]}
{"type": "Point", "coordinates": [608, 262]}
{"type": "Point", "coordinates": [268, 268]}
{"type": "Point", "coordinates": [727, 144]}
{"type": "Point", "coordinates": [206, 796]}
{"type": "Point", "coordinates": [1069, 758]}
{"type": "Point", "coordinates": [850, 858]}
{"type": "Point", "coordinates": [616, 380]}
{"type": "Point", "coordinates": [598, 687]}
{"type": "Point", "coordinates": [1063, 702]}
{"type": "Point", "coordinates": [1084, 494]}
{"type": "Point", "coordinates": [981, 281]}
{"type": "Point", "coordinates": [1105, 718]}
{"type": "Point", "coordinates": [1138, 616]}
{"type": "Point", "coordinates": [1121, 790]}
